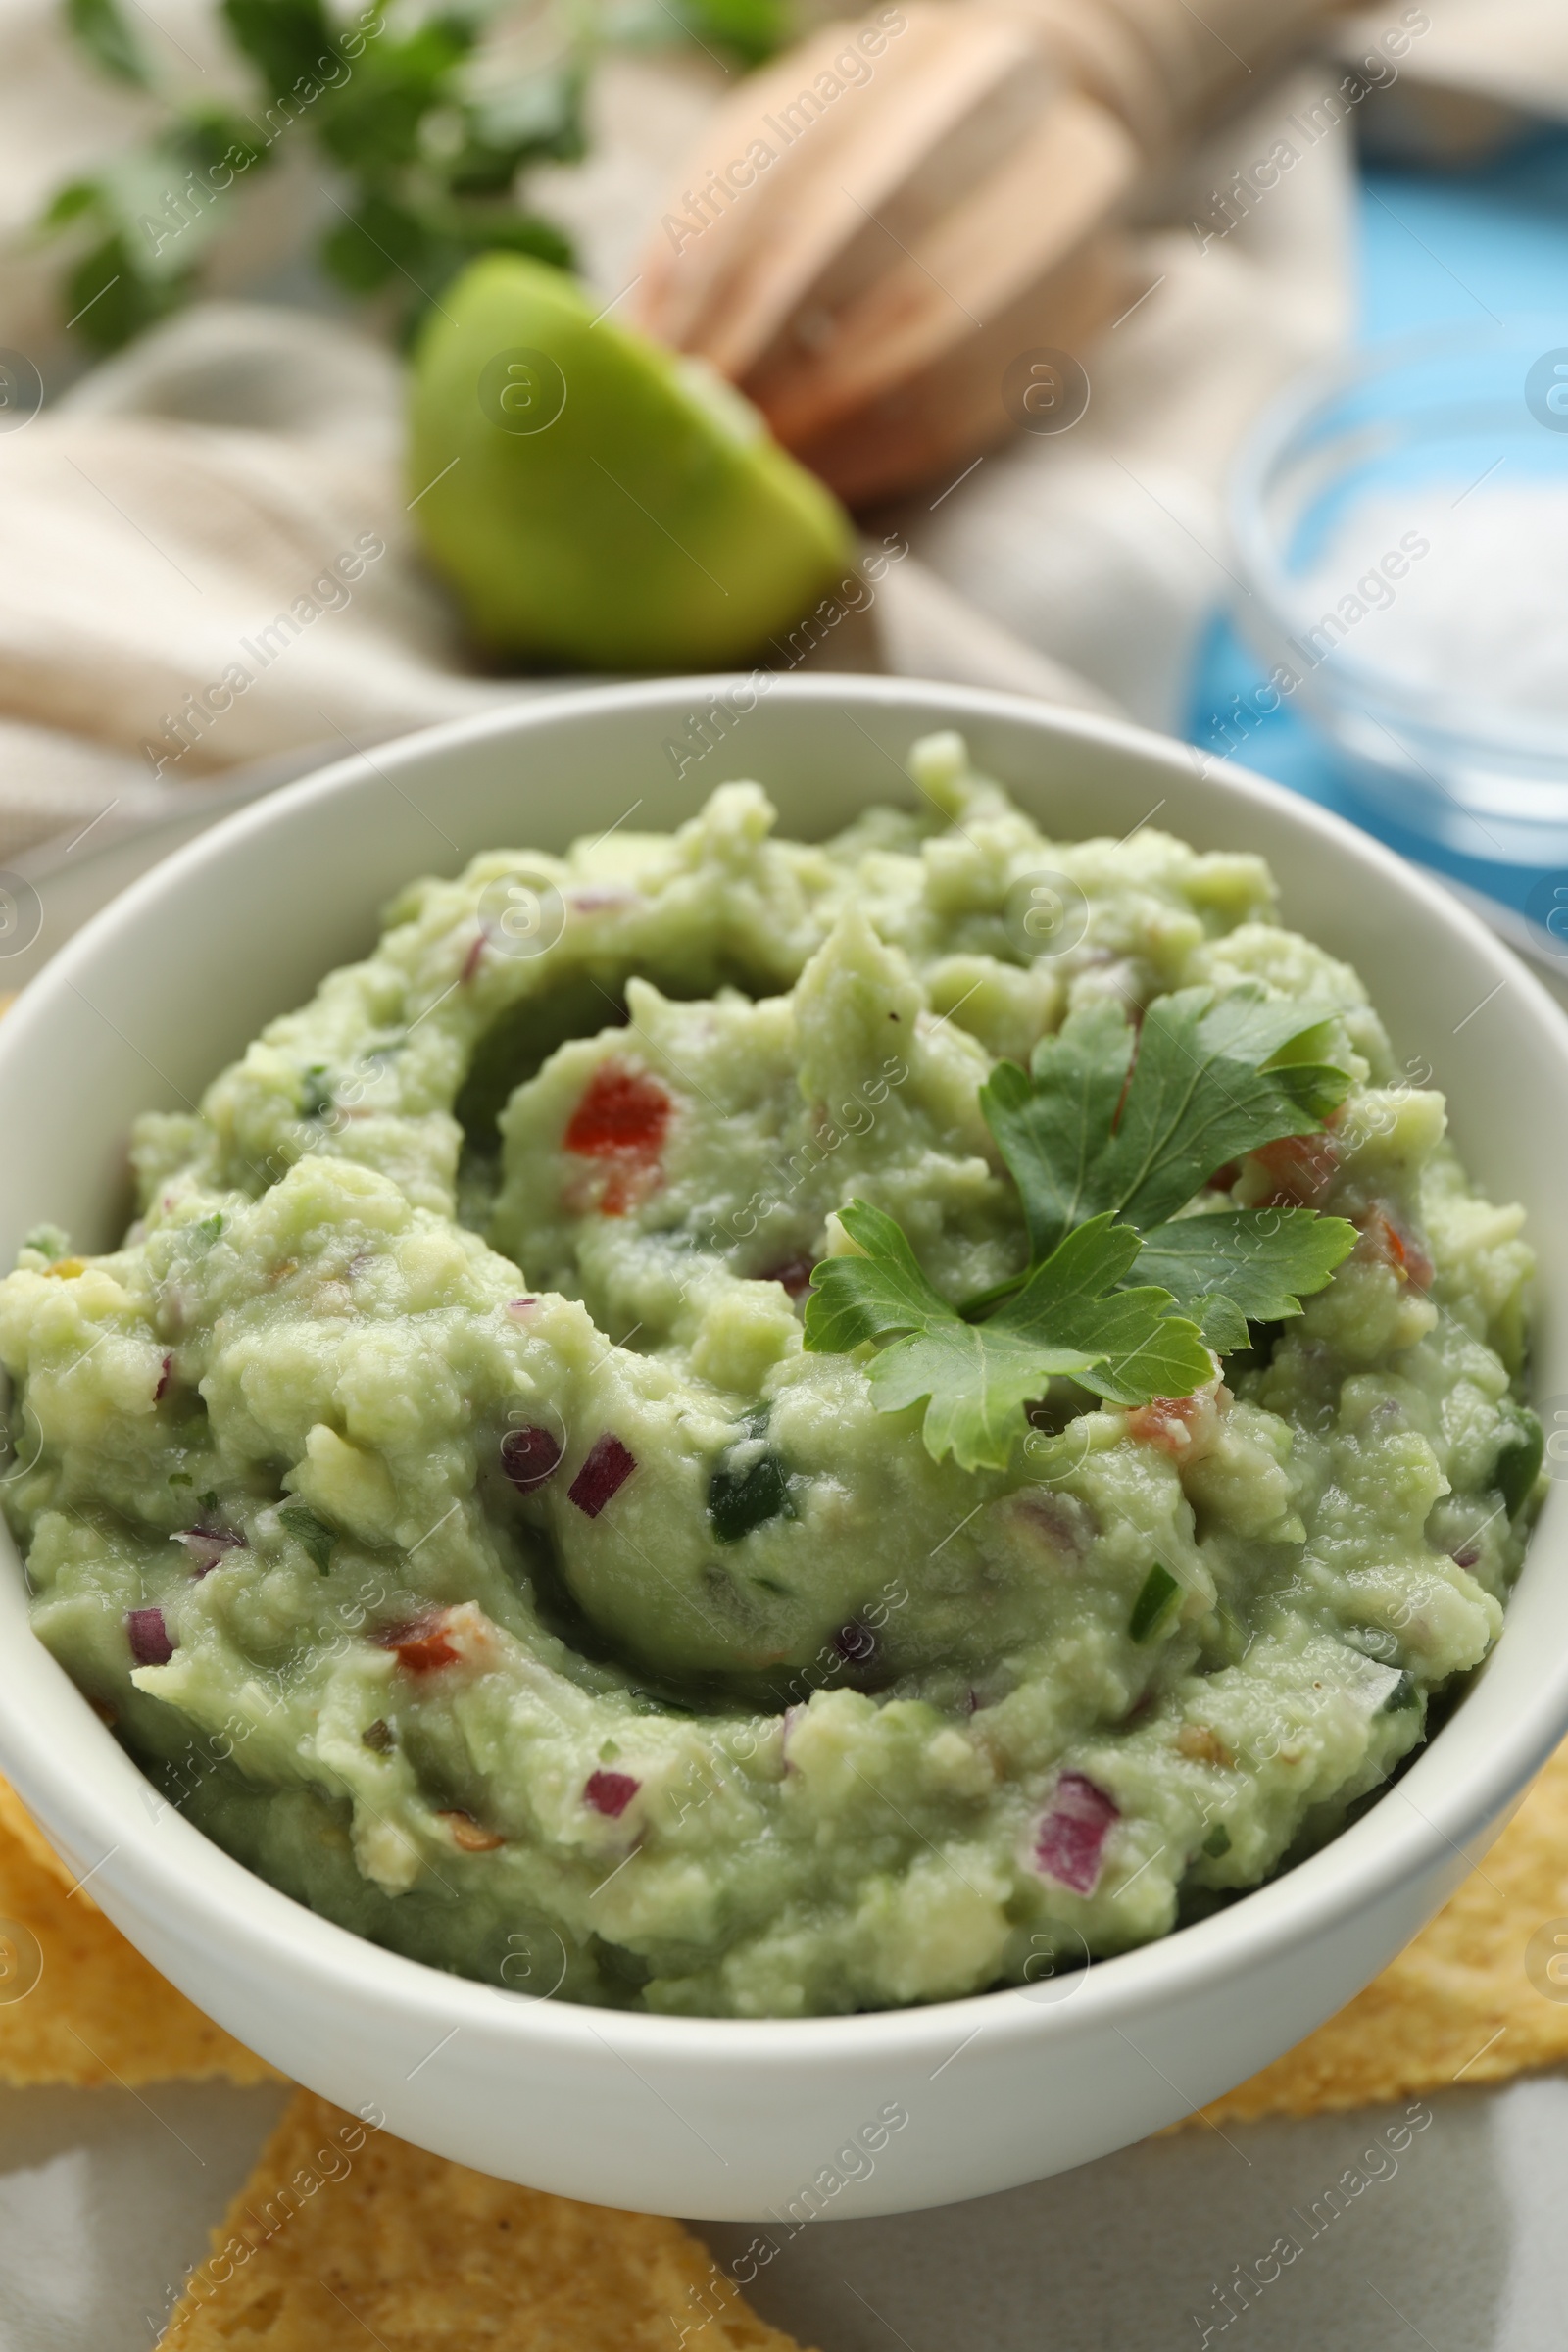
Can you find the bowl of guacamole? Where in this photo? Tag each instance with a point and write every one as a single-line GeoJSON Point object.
{"type": "Point", "coordinates": [766, 1399]}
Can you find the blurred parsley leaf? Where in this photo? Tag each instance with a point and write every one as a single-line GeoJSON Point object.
{"type": "Point", "coordinates": [747, 30]}
{"type": "Point", "coordinates": [423, 136]}
{"type": "Point", "coordinates": [287, 41]}
{"type": "Point", "coordinates": [107, 36]}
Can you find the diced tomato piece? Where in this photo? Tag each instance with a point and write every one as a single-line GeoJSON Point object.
{"type": "Point", "coordinates": [623, 1188]}
{"type": "Point", "coordinates": [1184, 1427]}
{"type": "Point", "coordinates": [421, 1642]}
{"type": "Point", "coordinates": [622, 1115]}
{"type": "Point", "coordinates": [1301, 1167]}
{"type": "Point", "coordinates": [622, 1120]}
{"type": "Point", "coordinates": [1397, 1247]}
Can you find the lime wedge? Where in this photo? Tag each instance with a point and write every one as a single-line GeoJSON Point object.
{"type": "Point", "coordinates": [599, 501]}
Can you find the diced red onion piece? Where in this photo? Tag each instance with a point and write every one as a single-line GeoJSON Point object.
{"type": "Point", "coordinates": [164, 1378]}
{"type": "Point", "coordinates": [528, 1457]}
{"type": "Point", "coordinates": [793, 1273]}
{"type": "Point", "coordinates": [595, 901]}
{"type": "Point", "coordinates": [207, 1546]}
{"type": "Point", "coordinates": [150, 1645]}
{"type": "Point", "coordinates": [609, 1793]}
{"type": "Point", "coordinates": [1065, 1527]}
{"type": "Point", "coordinates": [604, 1471]}
{"type": "Point", "coordinates": [521, 1307]}
{"type": "Point", "coordinates": [1071, 1835]}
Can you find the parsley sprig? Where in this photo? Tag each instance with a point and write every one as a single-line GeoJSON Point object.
{"type": "Point", "coordinates": [1108, 1135]}
{"type": "Point", "coordinates": [414, 129]}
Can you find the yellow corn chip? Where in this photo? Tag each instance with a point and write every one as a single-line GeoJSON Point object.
{"type": "Point", "coordinates": [18, 1823]}
{"type": "Point", "coordinates": [1471, 2000]}
{"type": "Point", "coordinates": [344, 2235]}
{"type": "Point", "coordinates": [76, 2003]}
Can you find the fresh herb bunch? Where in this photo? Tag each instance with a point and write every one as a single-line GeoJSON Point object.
{"type": "Point", "coordinates": [1109, 1136]}
{"type": "Point", "coordinates": [420, 144]}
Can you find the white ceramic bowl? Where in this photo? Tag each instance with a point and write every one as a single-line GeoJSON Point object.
{"type": "Point", "coordinates": [716, 2118]}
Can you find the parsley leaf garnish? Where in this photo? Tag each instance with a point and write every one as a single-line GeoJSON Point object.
{"type": "Point", "coordinates": [1080, 1136]}
{"type": "Point", "coordinates": [1108, 1135]}
{"type": "Point", "coordinates": [1053, 1121]}
{"type": "Point", "coordinates": [977, 1378]}
{"type": "Point", "coordinates": [1245, 1265]}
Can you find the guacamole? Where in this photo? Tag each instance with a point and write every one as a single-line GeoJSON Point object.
{"type": "Point", "coordinates": [438, 1495]}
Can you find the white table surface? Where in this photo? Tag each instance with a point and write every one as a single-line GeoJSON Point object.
{"type": "Point", "coordinates": [106, 2197]}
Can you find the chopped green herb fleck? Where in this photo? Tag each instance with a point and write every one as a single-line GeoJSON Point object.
{"type": "Point", "coordinates": [1218, 1841]}
{"type": "Point", "coordinates": [52, 1242]}
{"type": "Point", "coordinates": [316, 1538]}
{"type": "Point", "coordinates": [1518, 1465]}
{"type": "Point", "coordinates": [1152, 1605]}
{"type": "Point", "coordinates": [740, 1500]}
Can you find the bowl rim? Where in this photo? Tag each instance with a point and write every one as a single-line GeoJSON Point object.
{"type": "Point", "coordinates": [1464, 719]}
{"type": "Point", "coordinates": [167, 1867]}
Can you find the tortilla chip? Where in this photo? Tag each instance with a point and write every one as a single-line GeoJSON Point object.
{"type": "Point", "coordinates": [16, 1823]}
{"type": "Point", "coordinates": [1463, 2004]}
{"type": "Point", "coordinates": [76, 2003]}
{"type": "Point", "coordinates": [345, 2235]}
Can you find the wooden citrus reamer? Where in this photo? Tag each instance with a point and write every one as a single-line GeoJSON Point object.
{"type": "Point", "coordinates": [882, 220]}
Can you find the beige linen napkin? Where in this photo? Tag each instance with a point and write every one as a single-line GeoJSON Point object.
{"type": "Point", "coordinates": [206, 554]}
